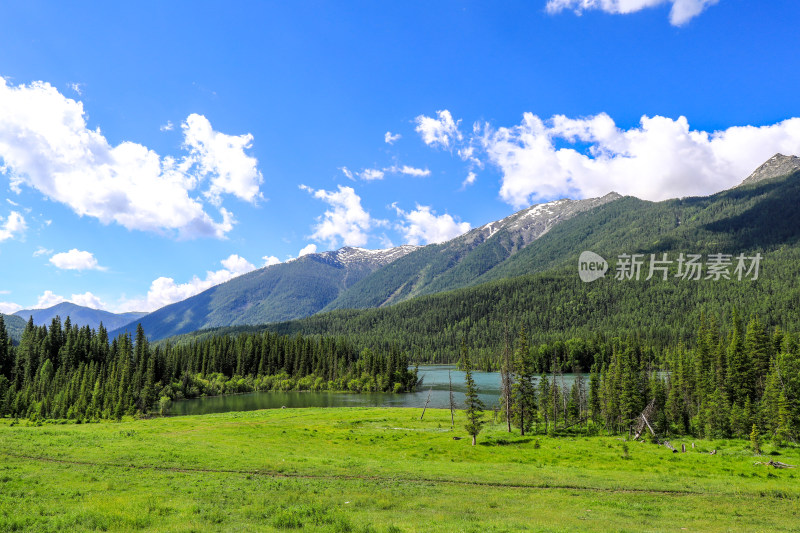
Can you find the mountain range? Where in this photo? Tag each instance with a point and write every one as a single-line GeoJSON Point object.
{"type": "Point", "coordinates": [538, 286]}
{"type": "Point", "coordinates": [543, 240]}
{"type": "Point", "coordinates": [295, 289]}
{"type": "Point", "coordinates": [79, 316]}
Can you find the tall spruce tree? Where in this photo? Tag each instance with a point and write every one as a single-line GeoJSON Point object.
{"type": "Point", "coordinates": [523, 390]}
{"type": "Point", "coordinates": [473, 404]}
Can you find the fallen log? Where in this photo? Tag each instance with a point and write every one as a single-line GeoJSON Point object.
{"type": "Point", "coordinates": [670, 446]}
{"type": "Point", "coordinates": [775, 464]}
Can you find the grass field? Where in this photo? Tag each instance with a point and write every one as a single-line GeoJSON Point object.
{"type": "Point", "coordinates": [381, 470]}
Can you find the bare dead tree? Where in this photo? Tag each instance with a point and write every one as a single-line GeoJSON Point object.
{"type": "Point", "coordinates": [427, 401]}
{"type": "Point", "coordinates": [452, 402]}
{"type": "Point", "coordinates": [555, 393]}
{"type": "Point", "coordinates": [643, 420]}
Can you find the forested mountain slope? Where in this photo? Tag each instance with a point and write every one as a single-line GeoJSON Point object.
{"type": "Point", "coordinates": [294, 289]}
{"type": "Point", "coordinates": [554, 304]}
{"type": "Point", "coordinates": [14, 325]}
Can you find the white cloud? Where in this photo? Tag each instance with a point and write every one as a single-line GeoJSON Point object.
{"type": "Point", "coordinates": [164, 291]}
{"type": "Point", "coordinates": [169, 126]}
{"type": "Point", "coordinates": [391, 139]}
{"type": "Point", "coordinates": [371, 174]}
{"type": "Point", "coordinates": [237, 264]}
{"type": "Point", "coordinates": [48, 299]}
{"type": "Point", "coordinates": [470, 179]}
{"type": "Point", "coordinates": [9, 308]}
{"type": "Point", "coordinates": [346, 220]}
{"type": "Point", "coordinates": [88, 299]}
{"type": "Point", "coordinates": [75, 260]}
{"type": "Point", "coordinates": [76, 87]}
{"type": "Point", "coordinates": [223, 158]}
{"type": "Point", "coordinates": [441, 132]}
{"type": "Point", "coordinates": [409, 171]}
{"type": "Point", "coordinates": [661, 158]}
{"type": "Point", "coordinates": [681, 12]}
{"type": "Point", "coordinates": [13, 226]}
{"type": "Point", "coordinates": [310, 249]}
{"type": "Point", "coordinates": [423, 226]}
{"type": "Point", "coordinates": [270, 260]}
{"type": "Point", "coordinates": [41, 250]}
{"type": "Point", "coordinates": [46, 145]}
{"type": "Point", "coordinates": [347, 173]}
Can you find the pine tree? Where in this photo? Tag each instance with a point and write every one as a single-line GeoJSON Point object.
{"type": "Point", "coordinates": [473, 403]}
{"type": "Point", "coordinates": [6, 354]}
{"type": "Point", "coordinates": [523, 391]}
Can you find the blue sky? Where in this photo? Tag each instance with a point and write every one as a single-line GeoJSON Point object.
{"type": "Point", "coordinates": [151, 150]}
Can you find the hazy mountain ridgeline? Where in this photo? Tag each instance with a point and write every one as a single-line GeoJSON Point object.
{"type": "Point", "coordinates": [297, 288]}
{"type": "Point", "coordinates": [758, 216]}
{"type": "Point", "coordinates": [79, 316]}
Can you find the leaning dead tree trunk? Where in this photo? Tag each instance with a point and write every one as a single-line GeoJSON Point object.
{"type": "Point", "coordinates": [427, 401]}
{"type": "Point", "coordinates": [642, 420]}
{"type": "Point", "coordinates": [580, 421]}
{"type": "Point", "coordinates": [670, 446]}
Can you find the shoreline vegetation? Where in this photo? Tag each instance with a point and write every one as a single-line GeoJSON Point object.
{"type": "Point", "coordinates": [735, 381]}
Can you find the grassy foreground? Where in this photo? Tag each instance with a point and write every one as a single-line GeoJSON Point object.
{"type": "Point", "coordinates": [382, 470]}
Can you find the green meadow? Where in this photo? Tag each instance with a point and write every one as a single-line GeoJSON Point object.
{"type": "Point", "coordinates": [377, 470]}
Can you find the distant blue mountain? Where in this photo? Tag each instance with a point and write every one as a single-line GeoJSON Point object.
{"type": "Point", "coordinates": [80, 316]}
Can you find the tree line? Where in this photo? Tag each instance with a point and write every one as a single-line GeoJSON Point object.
{"type": "Point", "coordinates": [70, 372]}
{"type": "Point", "coordinates": [734, 382]}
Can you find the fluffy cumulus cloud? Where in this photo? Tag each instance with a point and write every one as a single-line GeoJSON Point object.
{"type": "Point", "coordinates": [441, 131]}
{"type": "Point", "coordinates": [45, 144]}
{"type": "Point", "coordinates": [371, 174]}
{"type": "Point", "coordinates": [681, 12]}
{"type": "Point", "coordinates": [13, 226]}
{"type": "Point", "coordinates": [164, 291]}
{"type": "Point", "coordinates": [9, 308]}
{"type": "Point", "coordinates": [75, 260]}
{"type": "Point", "coordinates": [87, 299]}
{"type": "Point", "coordinates": [224, 159]}
{"type": "Point", "coordinates": [346, 220]}
{"type": "Point", "coordinates": [270, 260]}
{"type": "Point", "coordinates": [658, 159]}
{"type": "Point", "coordinates": [424, 226]}
{"type": "Point", "coordinates": [310, 249]}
